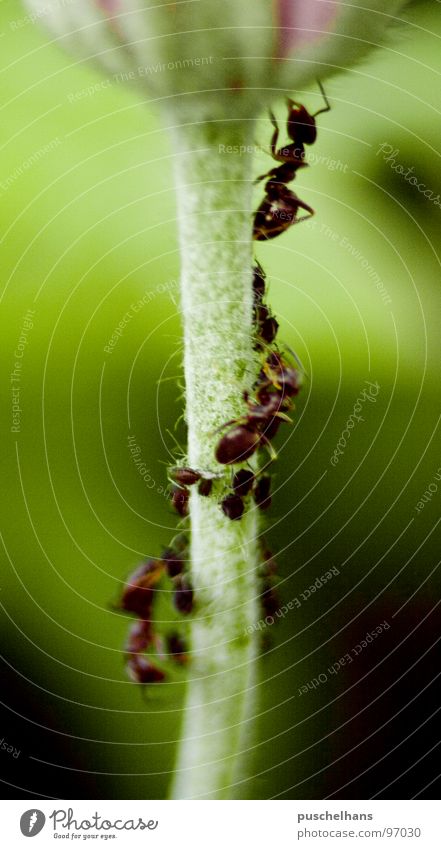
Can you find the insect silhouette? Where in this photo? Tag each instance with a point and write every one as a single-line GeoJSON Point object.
{"type": "Point", "coordinates": [281, 207]}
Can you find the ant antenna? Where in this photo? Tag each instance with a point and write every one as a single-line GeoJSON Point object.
{"type": "Point", "coordinates": [326, 108]}
{"type": "Point", "coordinates": [297, 359]}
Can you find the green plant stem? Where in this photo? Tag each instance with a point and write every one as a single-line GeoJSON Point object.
{"type": "Point", "coordinates": [214, 190]}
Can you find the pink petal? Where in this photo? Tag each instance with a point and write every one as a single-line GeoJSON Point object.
{"type": "Point", "coordinates": [108, 6]}
{"type": "Point", "coordinates": [301, 22]}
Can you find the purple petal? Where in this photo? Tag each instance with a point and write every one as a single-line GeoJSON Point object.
{"type": "Point", "coordinates": [303, 21]}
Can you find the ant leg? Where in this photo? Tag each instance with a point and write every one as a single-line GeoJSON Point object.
{"type": "Point", "coordinates": [304, 217]}
{"type": "Point", "coordinates": [273, 146]}
{"type": "Point", "coordinates": [268, 445]}
{"type": "Point", "coordinates": [239, 421]}
{"type": "Point", "coordinates": [275, 135]}
{"type": "Point", "coordinates": [262, 177]}
{"type": "Point", "coordinates": [297, 359]}
{"type": "Point", "coordinates": [327, 107]}
{"type": "Point", "coordinates": [264, 468]}
{"type": "Point", "coordinates": [307, 209]}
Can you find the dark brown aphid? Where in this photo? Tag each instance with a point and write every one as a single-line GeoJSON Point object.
{"type": "Point", "coordinates": [184, 476]}
{"type": "Point", "coordinates": [179, 500]}
{"type": "Point", "coordinates": [268, 329]}
{"type": "Point", "coordinates": [266, 325]}
{"type": "Point", "coordinates": [269, 600]}
{"type": "Point", "coordinates": [137, 595]}
{"type": "Point", "coordinates": [174, 562]}
{"type": "Point", "coordinates": [258, 283]}
{"type": "Point", "coordinates": [177, 649]}
{"type": "Point", "coordinates": [183, 596]}
{"type": "Point", "coordinates": [143, 671]}
{"type": "Point", "coordinates": [205, 487]}
{"type": "Point", "coordinates": [242, 482]}
{"type": "Point", "coordinates": [262, 492]}
{"type": "Point", "coordinates": [140, 636]}
{"type": "Point", "coordinates": [269, 565]}
{"type": "Point", "coordinates": [233, 506]}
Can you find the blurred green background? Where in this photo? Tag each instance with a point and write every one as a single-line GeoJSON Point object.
{"type": "Point", "coordinates": [87, 219]}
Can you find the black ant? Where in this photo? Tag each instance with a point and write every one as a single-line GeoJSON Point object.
{"type": "Point", "coordinates": [276, 385]}
{"type": "Point", "coordinates": [280, 206]}
{"type": "Point", "coordinates": [302, 129]}
{"type": "Point", "coordinates": [278, 211]}
{"type": "Point", "coordinates": [251, 431]}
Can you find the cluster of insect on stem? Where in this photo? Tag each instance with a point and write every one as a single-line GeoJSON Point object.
{"type": "Point", "coordinates": [270, 401]}
{"type": "Point", "coordinates": [144, 646]}
{"type": "Point", "coordinates": [267, 406]}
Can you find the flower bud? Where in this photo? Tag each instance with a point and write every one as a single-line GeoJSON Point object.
{"type": "Point", "coordinates": [211, 59]}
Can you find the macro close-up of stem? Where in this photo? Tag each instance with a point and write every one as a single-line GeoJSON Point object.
{"type": "Point", "coordinates": [212, 205]}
